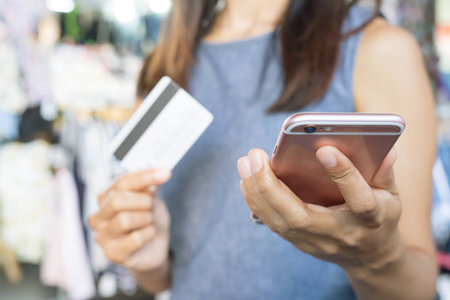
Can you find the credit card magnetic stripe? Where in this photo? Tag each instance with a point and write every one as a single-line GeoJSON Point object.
{"type": "Point", "coordinates": [146, 120]}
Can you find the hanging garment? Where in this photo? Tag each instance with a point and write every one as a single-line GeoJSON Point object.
{"type": "Point", "coordinates": [66, 263]}
{"type": "Point", "coordinates": [97, 168]}
{"type": "Point", "coordinates": [12, 95]}
{"type": "Point", "coordinates": [26, 189]}
{"type": "Point", "coordinates": [95, 171]}
{"type": "Point", "coordinates": [21, 19]}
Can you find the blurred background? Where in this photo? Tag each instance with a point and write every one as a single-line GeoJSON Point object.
{"type": "Point", "coordinates": [68, 70]}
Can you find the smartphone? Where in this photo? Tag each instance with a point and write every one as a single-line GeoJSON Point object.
{"type": "Point", "coordinates": [364, 138]}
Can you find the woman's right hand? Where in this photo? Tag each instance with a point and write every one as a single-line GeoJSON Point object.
{"type": "Point", "coordinates": [133, 224]}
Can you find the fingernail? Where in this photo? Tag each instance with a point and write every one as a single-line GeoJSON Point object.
{"type": "Point", "coordinates": [244, 168]}
{"type": "Point", "coordinates": [162, 174]}
{"type": "Point", "coordinates": [326, 158]}
{"type": "Point", "coordinates": [256, 161]}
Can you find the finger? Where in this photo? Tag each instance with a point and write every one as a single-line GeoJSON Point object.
{"type": "Point", "coordinates": [119, 201]}
{"type": "Point", "coordinates": [355, 190]}
{"type": "Point", "coordinates": [254, 218]}
{"type": "Point", "coordinates": [271, 199]}
{"type": "Point", "coordinates": [384, 177]}
{"type": "Point", "coordinates": [119, 250]}
{"type": "Point", "coordinates": [266, 213]}
{"type": "Point", "coordinates": [139, 181]}
{"type": "Point", "coordinates": [138, 238]}
{"type": "Point", "coordinates": [125, 222]}
{"type": "Point", "coordinates": [101, 197]}
{"type": "Point", "coordinates": [151, 190]}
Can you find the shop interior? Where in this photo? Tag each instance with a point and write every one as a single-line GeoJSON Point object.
{"type": "Point", "coordinates": [68, 82]}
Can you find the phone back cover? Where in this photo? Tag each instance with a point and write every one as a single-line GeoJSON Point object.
{"type": "Point", "coordinates": [296, 165]}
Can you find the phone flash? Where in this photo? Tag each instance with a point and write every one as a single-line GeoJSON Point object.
{"type": "Point", "coordinates": [328, 129]}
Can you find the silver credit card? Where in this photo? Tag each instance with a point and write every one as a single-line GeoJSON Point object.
{"type": "Point", "coordinates": [162, 130]}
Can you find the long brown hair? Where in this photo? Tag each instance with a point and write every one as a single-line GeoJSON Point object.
{"type": "Point", "coordinates": [310, 34]}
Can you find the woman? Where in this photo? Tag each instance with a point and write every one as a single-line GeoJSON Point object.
{"type": "Point", "coordinates": [240, 61]}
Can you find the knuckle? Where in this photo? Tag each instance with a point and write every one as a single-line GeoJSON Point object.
{"type": "Point", "coordinates": [331, 249]}
{"type": "Point", "coordinates": [376, 222]}
{"type": "Point", "coordinates": [254, 203]}
{"type": "Point", "coordinates": [136, 240]}
{"type": "Point", "coordinates": [353, 238]}
{"type": "Point", "coordinates": [366, 208]}
{"type": "Point", "coordinates": [120, 183]}
{"type": "Point", "coordinates": [306, 248]}
{"type": "Point", "coordinates": [123, 221]}
{"type": "Point", "coordinates": [343, 174]}
{"type": "Point", "coordinates": [281, 228]}
{"type": "Point", "coordinates": [101, 197]}
{"type": "Point", "coordinates": [264, 188]}
{"type": "Point", "coordinates": [116, 202]}
{"type": "Point", "coordinates": [302, 222]}
{"type": "Point", "coordinates": [148, 201]}
{"type": "Point", "coordinates": [92, 222]}
{"type": "Point", "coordinates": [393, 209]}
{"type": "Point", "coordinates": [112, 255]}
{"type": "Point", "coordinates": [350, 242]}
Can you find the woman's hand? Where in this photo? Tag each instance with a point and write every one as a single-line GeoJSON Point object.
{"type": "Point", "coordinates": [132, 223]}
{"type": "Point", "coordinates": [361, 235]}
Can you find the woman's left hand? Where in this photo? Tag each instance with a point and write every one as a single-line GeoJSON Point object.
{"type": "Point", "coordinates": [360, 235]}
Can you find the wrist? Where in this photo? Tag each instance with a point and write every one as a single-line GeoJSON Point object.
{"type": "Point", "coordinates": [387, 256]}
{"type": "Point", "coordinates": [162, 263]}
{"type": "Point", "coordinates": [154, 280]}
{"type": "Point", "coordinates": [156, 269]}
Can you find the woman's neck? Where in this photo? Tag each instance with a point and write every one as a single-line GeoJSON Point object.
{"type": "Point", "coordinates": [242, 19]}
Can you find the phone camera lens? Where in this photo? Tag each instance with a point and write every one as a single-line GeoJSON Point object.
{"type": "Point", "coordinates": [310, 129]}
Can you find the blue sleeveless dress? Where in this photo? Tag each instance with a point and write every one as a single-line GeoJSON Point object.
{"type": "Point", "coordinates": [218, 253]}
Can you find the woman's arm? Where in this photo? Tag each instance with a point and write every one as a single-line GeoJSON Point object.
{"type": "Point", "coordinates": [381, 236]}
{"type": "Point", "coordinates": [155, 281]}
{"type": "Point", "coordinates": [132, 226]}
{"type": "Point", "coordinates": [390, 76]}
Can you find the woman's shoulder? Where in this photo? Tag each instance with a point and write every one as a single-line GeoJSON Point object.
{"type": "Point", "coordinates": [383, 41]}
{"type": "Point", "coordinates": [388, 58]}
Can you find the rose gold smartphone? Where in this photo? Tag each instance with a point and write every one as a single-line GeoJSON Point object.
{"type": "Point", "coordinates": [365, 139]}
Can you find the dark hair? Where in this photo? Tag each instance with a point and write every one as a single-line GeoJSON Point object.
{"type": "Point", "coordinates": [310, 33]}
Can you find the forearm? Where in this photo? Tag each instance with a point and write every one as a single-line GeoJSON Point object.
{"type": "Point", "coordinates": [156, 280]}
{"type": "Point", "coordinates": [412, 276]}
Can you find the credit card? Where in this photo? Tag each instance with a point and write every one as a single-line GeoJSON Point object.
{"type": "Point", "coordinates": [162, 130]}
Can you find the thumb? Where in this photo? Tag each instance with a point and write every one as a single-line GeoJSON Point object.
{"type": "Point", "coordinates": [353, 187]}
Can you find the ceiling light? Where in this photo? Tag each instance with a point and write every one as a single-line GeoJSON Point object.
{"type": "Point", "coordinates": [125, 11]}
{"type": "Point", "coordinates": [160, 7]}
{"type": "Point", "coordinates": [61, 6]}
